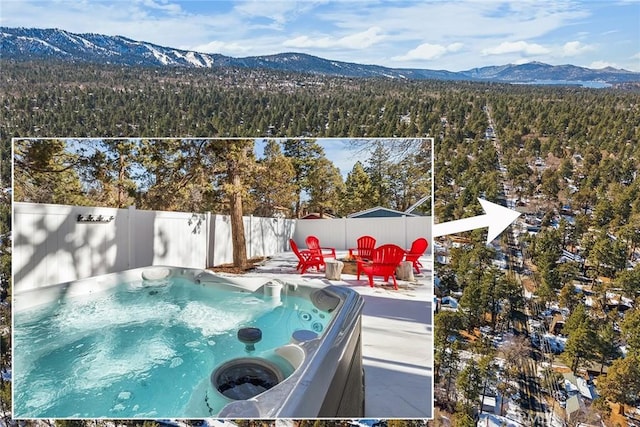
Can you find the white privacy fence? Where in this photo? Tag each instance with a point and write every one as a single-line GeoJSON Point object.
{"type": "Point", "coordinates": [342, 233]}
{"type": "Point", "coordinates": [52, 246]}
{"type": "Point", "coordinates": [55, 243]}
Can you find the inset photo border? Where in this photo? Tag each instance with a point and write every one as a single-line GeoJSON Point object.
{"type": "Point", "coordinates": [234, 278]}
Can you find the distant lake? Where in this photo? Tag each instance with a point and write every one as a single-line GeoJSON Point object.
{"type": "Point", "coordinates": [588, 84]}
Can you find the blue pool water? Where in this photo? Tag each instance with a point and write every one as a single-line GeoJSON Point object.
{"type": "Point", "coordinates": [143, 350]}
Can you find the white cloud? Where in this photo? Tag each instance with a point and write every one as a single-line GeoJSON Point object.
{"type": "Point", "coordinates": [157, 22]}
{"type": "Point", "coordinates": [634, 64]}
{"type": "Point", "coordinates": [280, 12]}
{"type": "Point", "coordinates": [598, 65]}
{"type": "Point", "coordinates": [364, 39]}
{"type": "Point", "coordinates": [521, 47]}
{"type": "Point", "coordinates": [359, 40]}
{"type": "Point", "coordinates": [521, 61]}
{"type": "Point", "coordinates": [439, 22]}
{"type": "Point", "coordinates": [306, 42]}
{"type": "Point", "coordinates": [171, 8]}
{"type": "Point", "coordinates": [225, 48]}
{"type": "Point", "coordinates": [275, 11]}
{"type": "Point", "coordinates": [428, 52]}
{"type": "Point", "coordinates": [575, 48]}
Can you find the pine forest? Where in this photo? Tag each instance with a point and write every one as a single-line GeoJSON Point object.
{"type": "Point", "coordinates": [566, 157]}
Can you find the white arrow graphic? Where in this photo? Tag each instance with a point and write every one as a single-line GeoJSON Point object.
{"type": "Point", "coordinates": [496, 217]}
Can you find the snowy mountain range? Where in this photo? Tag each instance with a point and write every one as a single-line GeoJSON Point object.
{"type": "Point", "coordinates": [60, 45]}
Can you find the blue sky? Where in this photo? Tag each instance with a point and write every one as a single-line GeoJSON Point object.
{"type": "Point", "coordinates": [454, 35]}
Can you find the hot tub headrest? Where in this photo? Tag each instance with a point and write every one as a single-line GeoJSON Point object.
{"type": "Point", "coordinates": [324, 300]}
{"type": "Point", "coordinates": [157, 273]}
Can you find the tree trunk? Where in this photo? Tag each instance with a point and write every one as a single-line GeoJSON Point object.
{"type": "Point", "coordinates": [121, 176]}
{"type": "Point", "coordinates": [297, 206]}
{"type": "Point", "coordinates": [333, 268]}
{"type": "Point", "coordinates": [575, 364]}
{"type": "Point", "coordinates": [237, 225]}
{"type": "Point", "coordinates": [404, 271]}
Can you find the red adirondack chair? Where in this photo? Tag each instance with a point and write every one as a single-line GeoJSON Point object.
{"type": "Point", "coordinates": [383, 263]}
{"type": "Point", "coordinates": [418, 247]}
{"type": "Point", "coordinates": [314, 246]}
{"type": "Point", "coordinates": [306, 259]}
{"type": "Point", "coordinates": [365, 244]}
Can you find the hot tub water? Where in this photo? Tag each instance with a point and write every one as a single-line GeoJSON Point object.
{"type": "Point", "coordinates": [147, 348]}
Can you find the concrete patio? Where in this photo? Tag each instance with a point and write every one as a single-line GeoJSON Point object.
{"type": "Point", "coordinates": [397, 336]}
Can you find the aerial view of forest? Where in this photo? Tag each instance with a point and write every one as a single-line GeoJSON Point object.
{"type": "Point", "coordinates": [542, 323]}
{"type": "Point", "coordinates": [553, 300]}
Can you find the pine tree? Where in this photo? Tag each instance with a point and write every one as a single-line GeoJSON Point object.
{"type": "Point", "coordinates": [304, 153]}
{"type": "Point", "coordinates": [181, 174]}
{"type": "Point", "coordinates": [582, 339]}
{"type": "Point", "coordinates": [568, 297]}
{"type": "Point", "coordinates": [473, 304]}
{"type": "Point", "coordinates": [272, 186]}
{"type": "Point", "coordinates": [630, 328]}
{"type": "Point", "coordinates": [469, 382]}
{"type": "Point", "coordinates": [325, 187]}
{"type": "Point", "coordinates": [109, 173]}
{"type": "Point", "coordinates": [607, 344]}
{"type": "Point", "coordinates": [378, 168]}
{"type": "Point", "coordinates": [622, 381]}
{"type": "Point", "coordinates": [447, 325]}
{"type": "Point", "coordinates": [46, 171]}
{"type": "Point", "coordinates": [357, 195]}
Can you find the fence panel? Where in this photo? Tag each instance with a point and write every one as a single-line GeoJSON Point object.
{"type": "Point", "coordinates": [330, 232]}
{"type": "Point", "coordinates": [265, 235]}
{"type": "Point", "coordinates": [342, 233]}
{"type": "Point", "coordinates": [51, 246]}
{"type": "Point", "coordinates": [222, 248]}
{"type": "Point", "coordinates": [420, 226]}
{"type": "Point", "coordinates": [170, 238]}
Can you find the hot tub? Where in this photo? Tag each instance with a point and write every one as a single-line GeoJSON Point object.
{"type": "Point", "coordinates": [168, 342]}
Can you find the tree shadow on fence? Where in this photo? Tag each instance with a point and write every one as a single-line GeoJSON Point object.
{"type": "Point", "coordinates": [74, 249]}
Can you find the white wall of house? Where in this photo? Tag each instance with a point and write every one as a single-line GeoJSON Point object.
{"type": "Point", "coordinates": [342, 233]}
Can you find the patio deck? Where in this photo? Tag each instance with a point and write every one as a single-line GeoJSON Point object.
{"type": "Point", "coordinates": [397, 340]}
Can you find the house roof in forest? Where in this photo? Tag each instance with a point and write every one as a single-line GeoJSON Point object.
{"type": "Point", "coordinates": [573, 405]}
{"type": "Point", "coordinates": [379, 212]}
{"type": "Point", "coordinates": [316, 215]}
